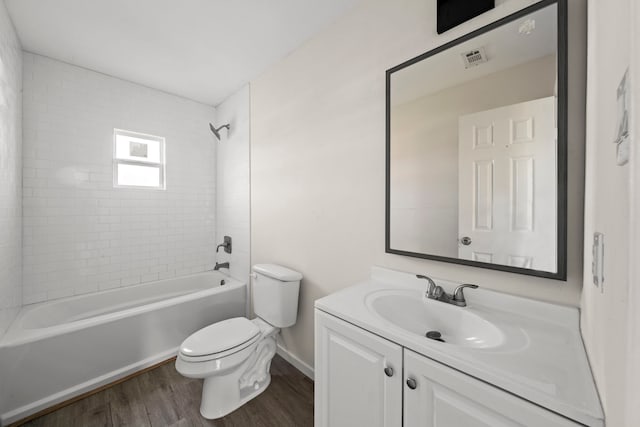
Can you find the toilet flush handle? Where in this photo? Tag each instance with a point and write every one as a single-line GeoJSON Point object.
{"type": "Point", "coordinates": [253, 275]}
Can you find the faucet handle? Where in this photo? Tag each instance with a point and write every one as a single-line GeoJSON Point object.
{"type": "Point", "coordinates": [432, 288]}
{"type": "Point", "coordinates": [458, 294]}
{"type": "Point", "coordinates": [226, 244]}
{"type": "Point", "coordinates": [438, 292]}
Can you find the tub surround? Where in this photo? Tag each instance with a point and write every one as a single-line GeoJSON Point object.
{"type": "Point", "coordinates": [541, 359]}
{"type": "Point", "coordinates": [10, 171]}
{"type": "Point", "coordinates": [81, 234]}
{"type": "Point", "coordinates": [56, 350]}
{"type": "Point", "coordinates": [232, 182]}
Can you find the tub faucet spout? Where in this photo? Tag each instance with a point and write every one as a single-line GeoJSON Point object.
{"type": "Point", "coordinates": [221, 265]}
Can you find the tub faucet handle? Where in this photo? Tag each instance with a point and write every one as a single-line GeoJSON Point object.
{"type": "Point", "coordinates": [226, 244]}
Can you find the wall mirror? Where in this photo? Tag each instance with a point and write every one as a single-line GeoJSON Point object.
{"type": "Point", "coordinates": [477, 147]}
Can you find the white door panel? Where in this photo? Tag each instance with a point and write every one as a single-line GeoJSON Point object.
{"type": "Point", "coordinates": [507, 185]}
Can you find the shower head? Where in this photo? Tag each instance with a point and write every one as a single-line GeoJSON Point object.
{"type": "Point", "coordinates": [216, 131]}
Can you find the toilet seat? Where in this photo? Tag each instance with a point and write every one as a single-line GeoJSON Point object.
{"type": "Point", "coordinates": [220, 340]}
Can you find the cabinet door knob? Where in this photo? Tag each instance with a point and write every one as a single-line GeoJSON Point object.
{"type": "Point", "coordinates": [411, 383]}
{"type": "Point", "coordinates": [388, 371]}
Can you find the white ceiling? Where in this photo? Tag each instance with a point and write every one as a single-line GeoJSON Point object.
{"type": "Point", "coordinates": [200, 49]}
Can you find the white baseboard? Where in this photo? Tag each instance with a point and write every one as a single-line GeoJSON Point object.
{"type": "Point", "coordinates": [295, 361]}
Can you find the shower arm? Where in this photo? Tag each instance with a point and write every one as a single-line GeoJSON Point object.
{"type": "Point", "coordinates": [216, 131]}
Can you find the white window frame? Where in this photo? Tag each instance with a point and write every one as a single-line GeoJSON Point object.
{"type": "Point", "coordinates": [161, 164]}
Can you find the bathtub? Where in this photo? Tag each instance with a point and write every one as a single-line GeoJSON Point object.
{"type": "Point", "coordinates": [59, 349]}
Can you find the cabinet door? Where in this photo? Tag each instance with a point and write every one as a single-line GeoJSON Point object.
{"type": "Point", "coordinates": [444, 397]}
{"type": "Point", "coordinates": [351, 385]}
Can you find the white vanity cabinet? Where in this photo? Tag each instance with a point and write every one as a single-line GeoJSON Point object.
{"type": "Point", "coordinates": [355, 387]}
{"type": "Point", "coordinates": [358, 376]}
{"type": "Point", "coordinates": [444, 397]}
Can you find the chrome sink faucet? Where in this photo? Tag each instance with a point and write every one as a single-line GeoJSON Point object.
{"type": "Point", "coordinates": [436, 292]}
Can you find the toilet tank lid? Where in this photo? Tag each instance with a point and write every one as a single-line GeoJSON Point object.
{"type": "Point", "coordinates": [277, 272]}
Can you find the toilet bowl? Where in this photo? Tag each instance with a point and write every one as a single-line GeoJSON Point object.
{"type": "Point", "coordinates": [234, 356]}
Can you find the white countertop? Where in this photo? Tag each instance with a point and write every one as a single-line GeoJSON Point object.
{"type": "Point", "coordinates": [542, 360]}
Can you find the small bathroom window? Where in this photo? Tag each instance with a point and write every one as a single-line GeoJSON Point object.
{"type": "Point", "coordinates": [138, 160]}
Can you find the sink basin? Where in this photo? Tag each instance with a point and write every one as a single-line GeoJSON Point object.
{"type": "Point", "coordinates": [409, 311]}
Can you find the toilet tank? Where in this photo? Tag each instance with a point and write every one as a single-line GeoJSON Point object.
{"type": "Point", "coordinates": [275, 294]}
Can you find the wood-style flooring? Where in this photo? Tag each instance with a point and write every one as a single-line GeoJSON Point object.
{"type": "Point", "coordinates": [163, 397]}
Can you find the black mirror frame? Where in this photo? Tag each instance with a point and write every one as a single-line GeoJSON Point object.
{"type": "Point", "coordinates": [562, 71]}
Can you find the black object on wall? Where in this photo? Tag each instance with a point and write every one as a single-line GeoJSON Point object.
{"type": "Point", "coordinates": [455, 12]}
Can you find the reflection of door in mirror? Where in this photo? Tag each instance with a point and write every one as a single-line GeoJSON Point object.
{"type": "Point", "coordinates": [507, 185]}
{"type": "Point", "coordinates": [424, 200]}
{"type": "Point", "coordinates": [476, 153]}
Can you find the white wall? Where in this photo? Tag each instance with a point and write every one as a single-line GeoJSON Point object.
{"type": "Point", "coordinates": [82, 235]}
{"type": "Point", "coordinates": [232, 182]}
{"type": "Point", "coordinates": [10, 171]}
{"type": "Point", "coordinates": [607, 318]}
{"type": "Point", "coordinates": [424, 152]}
{"type": "Point", "coordinates": [318, 157]}
{"type": "Point", "coordinates": [633, 319]}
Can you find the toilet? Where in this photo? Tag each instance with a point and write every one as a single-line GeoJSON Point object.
{"type": "Point", "coordinates": [234, 356]}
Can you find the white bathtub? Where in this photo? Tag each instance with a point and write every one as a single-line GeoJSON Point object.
{"type": "Point", "coordinates": [60, 349]}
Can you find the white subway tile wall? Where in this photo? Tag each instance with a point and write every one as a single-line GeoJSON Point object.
{"type": "Point", "coordinates": [233, 199]}
{"type": "Point", "coordinates": [81, 235]}
{"type": "Point", "coordinates": [10, 172]}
